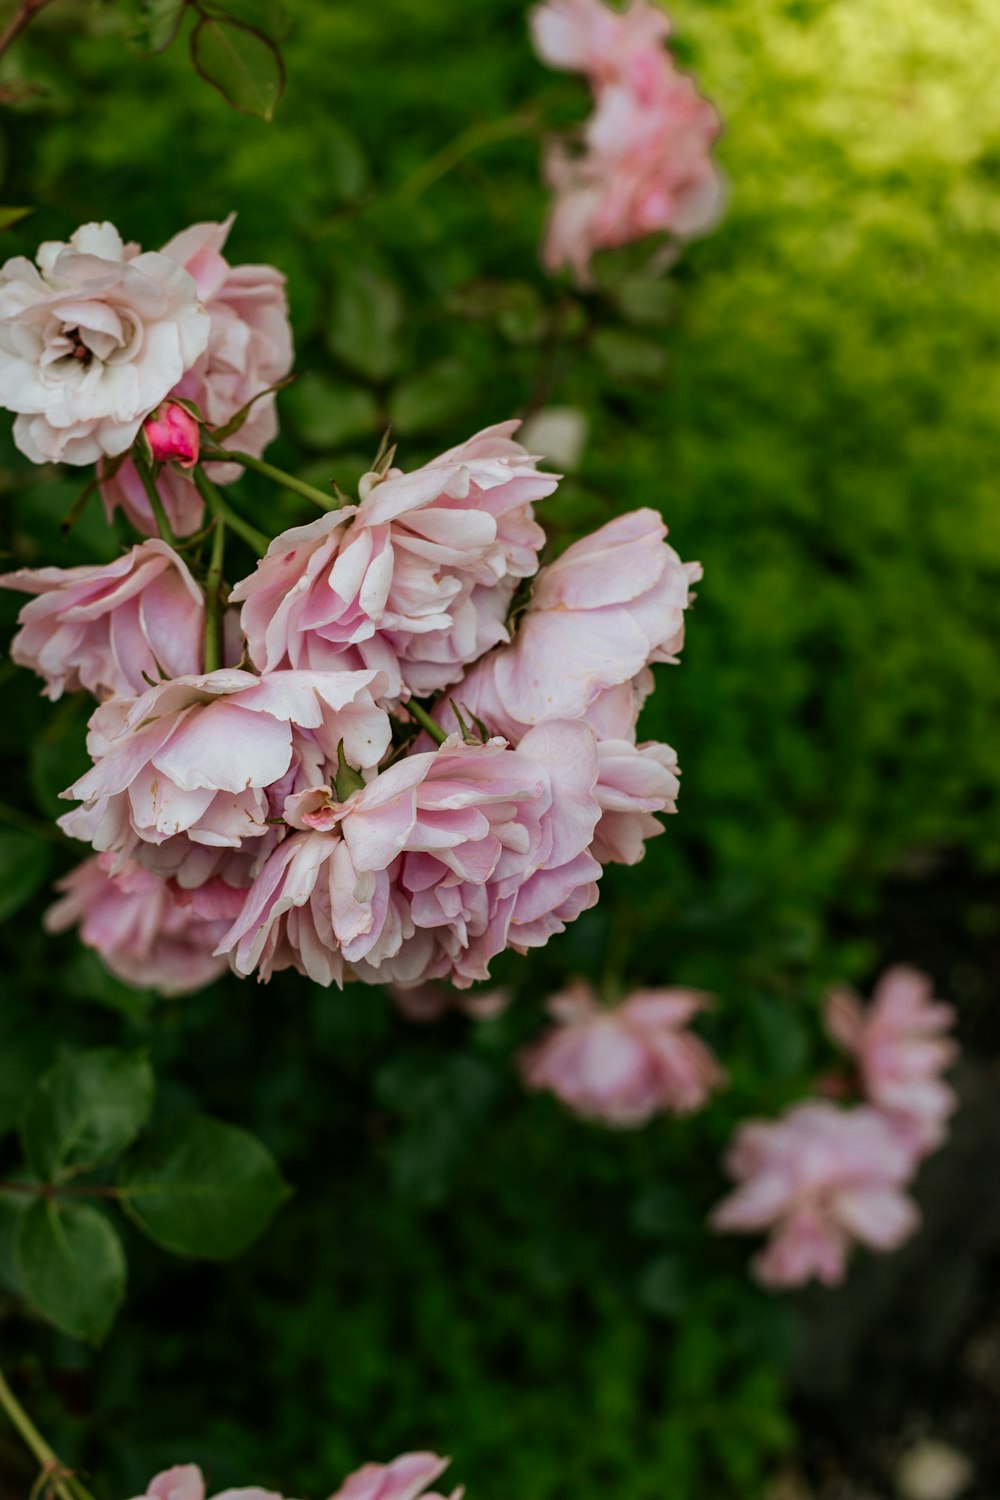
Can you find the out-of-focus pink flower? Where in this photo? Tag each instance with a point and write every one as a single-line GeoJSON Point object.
{"type": "Point", "coordinates": [405, 1478]}
{"type": "Point", "coordinates": [818, 1179]}
{"type": "Point", "coordinates": [898, 1044]}
{"type": "Point", "coordinates": [646, 167]}
{"type": "Point", "coordinates": [249, 350]}
{"type": "Point", "coordinates": [150, 933]}
{"type": "Point", "coordinates": [645, 164]}
{"type": "Point", "coordinates": [415, 581]}
{"type": "Point", "coordinates": [623, 1064]}
{"type": "Point", "coordinates": [432, 868]}
{"type": "Point", "coordinates": [206, 761]}
{"type": "Point", "coordinates": [173, 435]}
{"type": "Point", "coordinates": [93, 336]}
{"type": "Point", "coordinates": [186, 1482]}
{"type": "Point", "coordinates": [429, 1002]}
{"type": "Point", "coordinates": [112, 628]}
{"type": "Point", "coordinates": [587, 36]}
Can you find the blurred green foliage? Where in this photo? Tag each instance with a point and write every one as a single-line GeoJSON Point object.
{"type": "Point", "coordinates": [812, 399]}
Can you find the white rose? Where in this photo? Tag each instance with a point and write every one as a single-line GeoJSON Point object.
{"type": "Point", "coordinates": [91, 340]}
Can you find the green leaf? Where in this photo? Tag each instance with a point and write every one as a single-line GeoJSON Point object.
{"type": "Point", "coordinates": [236, 421]}
{"type": "Point", "coordinates": [11, 216]}
{"type": "Point", "coordinates": [431, 399]}
{"type": "Point", "coordinates": [24, 864]}
{"type": "Point", "coordinates": [58, 755]}
{"type": "Point", "coordinates": [26, 1050]}
{"type": "Point", "coordinates": [241, 62]}
{"type": "Point", "coordinates": [646, 300]}
{"type": "Point", "coordinates": [661, 1286]}
{"type": "Point", "coordinates": [85, 1111]}
{"type": "Point", "coordinates": [267, 16]}
{"type": "Point", "coordinates": [202, 1187]}
{"type": "Point", "coordinates": [366, 317]}
{"type": "Point", "coordinates": [72, 1267]}
{"type": "Point", "coordinates": [157, 24]}
{"type": "Point", "coordinates": [326, 413]}
{"type": "Point", "coordinates": [13, 1207]}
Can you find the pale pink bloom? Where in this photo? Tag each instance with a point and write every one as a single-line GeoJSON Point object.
{"type": "Point", "coordinates": [635, 782]}
{"type": "Point", "coordinates": [92, 337]}
{"type": "Point", "coordinates": [429, 1002]}
{"type": "Point", "coordinates": [900, 1050]}
{"type": "Point", "coordinates": [588, 36]}
{"type": "Point", "coordinates": [415, 581]}
{"type": "Point", "coordinates": [432, 868]}
{"type": "Point", "coordinates": [186, 1482]}
{"type": "Point", "coordinates": [624, 1064]}
{"type": "Point", "coordinates": [609, 606]}
{"type": "Point", "coordinates": [150, 933]}
{"type": "Point", "coordinates": [204, 762]}
{"type": "Point", "coordinates": [818, 1178]}
{"type": "Point", "coordinates": [113, 628]}
{"type": "Point", "coordinates": [173, 435]}
{"type": "Point", "coordinates": [406, 1478]}
{"type": "Point", "coordinates": [646, 167]}
{"type": "Point", "coordinates": [249, 350]}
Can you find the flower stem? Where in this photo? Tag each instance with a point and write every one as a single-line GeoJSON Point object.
{"type": "Point", "coordinates": [425, 721]}
{"type": "Point", "coordinates": [163, 525]}
{"type": "Point", "coordinates": [224, 512]}
{"type": "Point", "coordinates": [213, 600]}
{"type": "Point", "coordinates": [260, 466]}
{"type": "Point", "coordinates": [65, 1485]}
{"type": "Point", "coordinates": [475, 136]}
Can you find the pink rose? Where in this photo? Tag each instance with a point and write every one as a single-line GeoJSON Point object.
{"type": "Point", "coordinates": [113, 628]}
{"type": "Point", "coordinates": [645, 164]}
{"type": "Point", "coordinates": [432, 868]}
{"type": "Point", "coordinates": [900, 1051]}
{"type": "Point", "coordinates": [623, 1064]}
{"type": "Point", "coordinates": [423, 1003]}
{"type": "Point", "coordinates": [610, 605]}
{"type": "Point", "coordinates": [405, 1478]}
{"type": "Point", "coordinates": [415, 581]}
{"type": "Point", "coordinates": [646, 167]}
{"type": "Point", "coordinates": [204, 762]}
{"type": "Point", "coordinates": [173, 435]}
{"type": "Point", "coordinates": [92, 337]}
{"type": "Point", "coordinates": [249, 350]}
{"type": "Point", "coordinates": [818, 1179]}
{"type": "Point", "coordinates": [185, 1482]}
{"type": "Point", "coordinates": [148, 932]}
{"type": "Point", "coordinates": [587, 36]}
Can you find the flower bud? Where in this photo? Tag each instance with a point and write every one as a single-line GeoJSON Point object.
{"type": "Point", "coordinates": [172, 434]}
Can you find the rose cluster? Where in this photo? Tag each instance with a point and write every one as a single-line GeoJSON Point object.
{"type": "Point", "coordinates": [644, 163]}
{"type": "Point", "coordinates": [823, 1176]}
{"type": "Point", "coordinates": [367, 759]}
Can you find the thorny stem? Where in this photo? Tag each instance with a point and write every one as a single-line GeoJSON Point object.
{"type": "Point", "coordinates": [163, 525]}
{"type": "Point", "coordinates": [425, 721]}
{"type": "Point", "coordinates": [57, 1478]}
{"type": "Point", "coordinates": [260, 466]}
{"type": "Point", "coordinates": [213, 600]}
{"type": "Point", "coordinates": [22, 17]}
{"type": "Point", "coordinates": [224, 512]}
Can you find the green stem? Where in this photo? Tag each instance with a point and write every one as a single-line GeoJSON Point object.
{"type": "Point", "coordinates": [279, 476]}
{"type": "Point", "coordinates": [425, 721]}
{"type": "Point", "coordinates": [213, 600]}
{"type": "Point", "coordinates": [156, 504]}
{"type": "Point", "coordinates": [224, 512]}
{"type": "Point", "coordinates": [443, 161]}
{"type": "Point", "coordinates": [67, 1487]}
{"type": "Point", "coordinates": [60, 1190]}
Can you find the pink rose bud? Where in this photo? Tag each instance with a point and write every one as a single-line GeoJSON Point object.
{"type": "Point", "coordinates": [172, 434]}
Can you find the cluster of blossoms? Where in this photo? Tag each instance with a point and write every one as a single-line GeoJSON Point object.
{"type": "Point", "coordinates": [823, 1175]}
{"type": "Point", "coordinates": [267, 788]}
{"type": "Point", "coordinates": [644, 164]}
{"type": "Point", "coordinates": [406, 1478]}
{"type": "Point", "coordinates": [622, 1065]}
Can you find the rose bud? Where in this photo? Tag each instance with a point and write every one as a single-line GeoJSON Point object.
{"type": "Point", "coordinates": [172, 435]}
